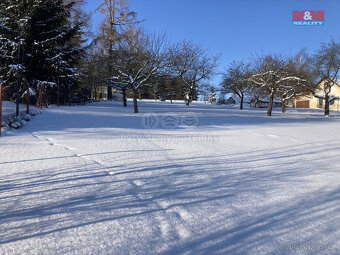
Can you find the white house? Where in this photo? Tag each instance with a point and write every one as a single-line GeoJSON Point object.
{"type": "Point", "coordinates": [310, 101]}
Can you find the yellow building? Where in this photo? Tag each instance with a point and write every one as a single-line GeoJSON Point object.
{"type": "Point", "coordinates": [310, 101]}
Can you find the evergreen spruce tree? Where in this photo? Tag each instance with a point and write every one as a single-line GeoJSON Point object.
{"type": "Point", "coordinates": [38, 45]}
{"type": "Point", "coordinates": [15, 31]}
{"type": "Point", "coordinates": [57, 49]}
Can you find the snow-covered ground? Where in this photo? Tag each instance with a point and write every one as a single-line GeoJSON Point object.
{"type": "Point", "coordinates": [202, 179]}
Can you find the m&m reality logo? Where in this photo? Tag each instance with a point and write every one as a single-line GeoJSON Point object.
{"type": "Point", "coordinates": [308, 18]}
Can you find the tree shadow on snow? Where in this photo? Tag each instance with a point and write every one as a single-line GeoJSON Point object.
{"type": "Point", "coordinates": [47, 201]}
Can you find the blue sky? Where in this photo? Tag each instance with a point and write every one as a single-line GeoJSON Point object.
{"type": "Point", "coordinates": [238, 29]}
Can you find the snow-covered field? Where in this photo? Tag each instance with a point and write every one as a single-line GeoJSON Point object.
{"type": "Point", "coordinates": [203, 179]}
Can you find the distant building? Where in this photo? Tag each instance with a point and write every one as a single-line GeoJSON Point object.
{"type": "Point", "coordinates": [230, 100]}
{"type": "Point", "coordinates": [237, 100]}
{"type": "Point", "coordinates": [264, 103]}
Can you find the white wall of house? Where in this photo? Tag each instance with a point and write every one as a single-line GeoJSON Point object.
{"type": "Point", "coordinates": [319, 103]}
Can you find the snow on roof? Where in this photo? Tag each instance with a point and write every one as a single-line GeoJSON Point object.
{"type": "Point", "coordinates": [238, 99]}
{"type": "Point", "coordinates": [266, 99]}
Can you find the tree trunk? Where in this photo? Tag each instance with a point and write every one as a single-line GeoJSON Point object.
{"type": "Point", "coordinates": [58, 96]}
{"type": "Point", "coordinates": [90, 96]}
{"type": "Point", "coordinates": [271, 102]}
{"type": "Point", "coordinates": [187, 102]}
{"type": "Point", "coordinates": [28, 99]}
{"type": "Point", "coordinates": [17, 97]}
{"type": "Point", "coordinates": [109, 93]}
{"type": "Point", "coordinates": [40, 96]}
{"type": "Point", "coordinates": [241, 103]}
{"type": "Point", "coordinates": [44, 98]}
{"type": "Point", "coordinates": [135, 104]}
{"type": "Point", "coordinates": [283, 105]}
{"type": "Point", "coordinates": [124, 98]}
{"type": "Point", "coordinates": [327, 106]}
{"type": "Point", "coordinates": [69, 96]}
{"type": "Point", "coordinates": [17, 103]}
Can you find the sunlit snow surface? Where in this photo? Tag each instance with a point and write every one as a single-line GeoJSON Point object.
{"type": "Point", "coordinates": [96, 179]}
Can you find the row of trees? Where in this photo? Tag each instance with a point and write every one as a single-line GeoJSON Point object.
{"type": "Point", "coordinates": [136, 62]}
{"type": "Point", "coordinates": [278, 77]}
{"type": "Point", "coordinates": [43, 51]}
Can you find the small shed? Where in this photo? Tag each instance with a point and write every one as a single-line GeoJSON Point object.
{"type": "Point", "coordinates": [264, 103]}
{"type": "Point", "coordinates": [230, 100]}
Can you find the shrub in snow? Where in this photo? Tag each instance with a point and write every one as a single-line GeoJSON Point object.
{"type": "Point", "coordinates": [21, 120]}
{"type": "Point", "coordinates": [14, 122]}
{"type": "Point", "coordinates": [26, 117]}
{"type": "Point", "coordinates": [35, 112]}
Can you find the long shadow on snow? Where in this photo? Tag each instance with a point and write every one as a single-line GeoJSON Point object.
{"type": "Point", "coordinates": [92, 196]}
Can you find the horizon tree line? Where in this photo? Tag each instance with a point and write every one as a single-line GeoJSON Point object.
{"type": "Point", "coordinates": [274, 76]}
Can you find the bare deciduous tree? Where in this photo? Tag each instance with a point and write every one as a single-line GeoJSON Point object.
{"type": "Point", "coordinates": [325, 65]}
{"type": "Point", "coordinates": [139, 57]}
{"type": "Point", "coordinates": [235, 80]}
{"type": "Point", "coordinates": [192, 64]}
{"type": "Point", "coordinates": [292, 88]}
{"type": "Point", "coordinates": [121, 86]}
{"type": "Point", "coordinates": [271, 73]}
